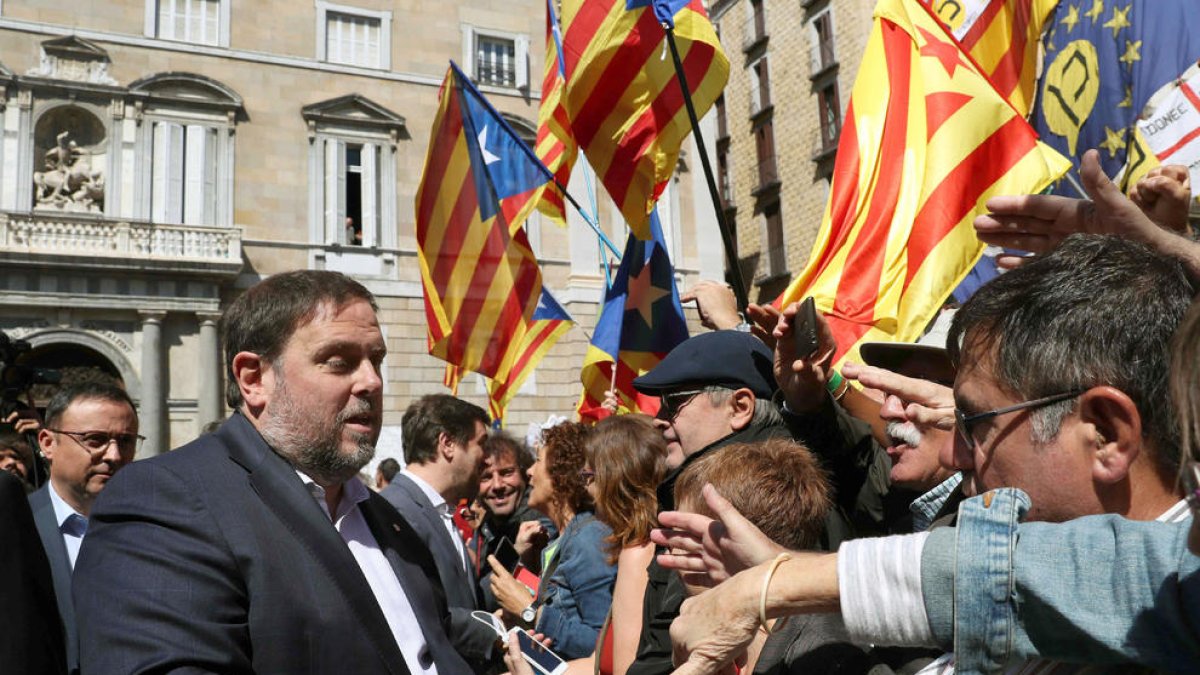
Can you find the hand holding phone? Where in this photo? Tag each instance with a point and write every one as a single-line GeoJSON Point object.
{"type": "Point", "coordinates": [806, 328]}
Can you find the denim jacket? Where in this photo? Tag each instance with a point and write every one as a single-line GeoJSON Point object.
{"type": "Point", "coordinates": [1099, 589]}
{"type": "Point", "coordinates": [576, 598]}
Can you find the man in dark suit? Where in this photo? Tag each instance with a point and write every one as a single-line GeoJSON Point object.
{"type": "Point", "coordinates": [90, 433]}
{"type": "Point", "coordinates": [443, 449]}
{"type": "Point", "coordinates": [256, 548]}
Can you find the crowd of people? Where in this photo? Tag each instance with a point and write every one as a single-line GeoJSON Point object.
{"type": "Point", "coordinates": [1014, 494]}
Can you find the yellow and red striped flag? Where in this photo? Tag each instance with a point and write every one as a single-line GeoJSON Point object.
{"type": "Point", "coordinates": [545, 327]}
{"type": "Point", "coordinates": [927, 141]}
{"type": "Point", "coordinates": [625, 104]}
{"type": "Point", "coordinates": [1003, 37]}
{"type": "Point", "coordinates": [555, 145]}
{"type": "Point", "coordinates": [480, 278]}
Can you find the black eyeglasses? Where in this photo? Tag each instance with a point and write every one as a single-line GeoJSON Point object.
{"type": "Point", "coordinates": [587, 475]}
{"type": "Point", "coordinates": [963, 421]}
{"type": "Point", "coordinates": [670, 404]}
{"type": "Point", "coordinates": [98, 441]}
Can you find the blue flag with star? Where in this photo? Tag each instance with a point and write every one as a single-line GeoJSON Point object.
{"type": "Point", "coordinates": [1103, 61]}
{"type": "Point", "coordinates": [642, 320]}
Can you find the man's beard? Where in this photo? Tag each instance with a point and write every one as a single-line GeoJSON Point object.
{"type": "Point", "coordinates": [312, 447]}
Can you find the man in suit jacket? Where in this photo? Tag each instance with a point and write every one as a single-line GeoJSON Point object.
{"type": "Point", "coordinates": [90, 433]}
{"type": "Point", "coordinates": [443, 449]}
{"type": "Point", "coordinates": [256, 549]}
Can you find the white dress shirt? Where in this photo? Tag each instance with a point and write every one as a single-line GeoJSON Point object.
{"type": "Point", "coordinates": [398, 611]}
{"type": "Point", "coordinates": [72, 525]}
{"type": "Point", "coordinates": [443, 510]}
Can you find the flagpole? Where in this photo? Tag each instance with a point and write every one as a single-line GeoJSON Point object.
{"type": "Point", "coordinates": [735, 271]}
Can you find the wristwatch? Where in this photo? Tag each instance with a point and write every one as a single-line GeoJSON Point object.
{"type": "Point", "coordinates": [529, 614]}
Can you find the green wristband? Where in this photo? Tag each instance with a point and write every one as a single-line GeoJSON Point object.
{"type": "Point", "coordinates": [835, 382]}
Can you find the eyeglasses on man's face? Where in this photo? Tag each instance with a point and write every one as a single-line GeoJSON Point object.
{"type": "Point", "coordinates": [963, 421]}
{"type": "Point", "coordinates": [587, 476]}
{"type": "Point", "coordinates": [97, 442]}
{"type": "Point", "coordinates": [671, 403]}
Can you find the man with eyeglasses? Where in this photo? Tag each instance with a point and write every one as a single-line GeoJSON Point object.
{"type": "Point", "coordinates": [90, 433]}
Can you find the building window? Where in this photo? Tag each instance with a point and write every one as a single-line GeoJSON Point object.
{"type": "Point", "coordinates": [831, 115]}
{"type": "Point", "coordinates": [352, 190]}
{"type": "Point", "coordinates": [755, 31]}
{"type": "Point", "coordinates": [764, 145]}
{"type": "Point", "coordinates": [203, 22]}
{"type": "Point", "coordinates": [183, 174]}
{"type": "Point", "coordinates": [760, 86]}
{"type": "Point", "coordinates": [353, 36]}
{"type": "Point", "coordinates": [495, 58]}
{"type": "Point", "coordinates": [776, 252]}
{"type": "Point", "coordinates": [821, 55]}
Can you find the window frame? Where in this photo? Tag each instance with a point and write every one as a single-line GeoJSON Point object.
{"type": "Point", "coordinates": [470, 36]}
{"type": "Point", "coordinates": [150, 29]}
{"type": "Point", "coordinates": [221, 166]}
{"type": "Point", "coordinates": [385, 32]}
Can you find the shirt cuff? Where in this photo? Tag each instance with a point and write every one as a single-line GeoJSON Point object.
{"type": "Point", "coordinates": [879, 581]}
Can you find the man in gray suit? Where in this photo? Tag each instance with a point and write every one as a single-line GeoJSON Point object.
{"type": "Point", "coordinates": [443, 449]}
{"type": "Point", "coordinates": [90, 433]}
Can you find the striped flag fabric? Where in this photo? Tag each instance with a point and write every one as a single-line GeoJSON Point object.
{"type": "Point", "coordinates": [927, 141]}
{"type": "Point", "coordinates": [555, 145]}
{"type": "Point", "coordinates": [1002, 36]}
{"type": "Point", "coordinates": [546, 326]}
{"type": "Point", "coordinates": [623, 99]}
{"type": "Point", "coordinates": [480, 279]}
{"type": "Point", "coordinates": [640, 322]}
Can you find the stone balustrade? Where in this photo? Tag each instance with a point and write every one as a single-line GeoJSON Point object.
{"type": "Point", "coordinates": [67, 235]}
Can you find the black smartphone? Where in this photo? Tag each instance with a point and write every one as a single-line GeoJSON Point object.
{"type": "Point", "coordinates": [507, 555]}
{"type": "Point", "coordinates": [806, 328]}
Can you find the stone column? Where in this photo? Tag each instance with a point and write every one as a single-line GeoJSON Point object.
{"type": "Point", "coordinates": [152, 418]}
{"type": "Point", "coordinates": [210, 406]}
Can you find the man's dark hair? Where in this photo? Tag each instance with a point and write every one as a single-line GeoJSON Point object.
{"type": "Point", "coordinates": [430, 416]}
{"type": "Point", "coordinates": [64, 397]}
{"type": "Point", "coordinates": [501, 443]}
{"type": "Point", "coordinates": [263, 319]}
{"type": "Point", "coordinates": [1099, 310]}
{"type": "Point", "coordinates": [11, 438]}
{"type": "Point", "coordinates": [388, 468]}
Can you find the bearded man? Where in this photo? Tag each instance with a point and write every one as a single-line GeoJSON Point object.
{"type": "Point", "coordinates": [256, 548]}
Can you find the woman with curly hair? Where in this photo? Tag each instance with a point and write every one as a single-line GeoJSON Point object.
{"type": "Point", "coordinates": [627, 459]}
{"type": "Point", "coordinates": [576, 586]}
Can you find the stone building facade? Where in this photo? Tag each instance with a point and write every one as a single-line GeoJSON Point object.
{"type": "Point", "coordinates": [792, 70]}
{"type": "Point", "coordinates": [157, 157]}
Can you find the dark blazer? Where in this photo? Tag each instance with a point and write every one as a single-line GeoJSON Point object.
{"type": "Point", "coordinates": [472, 639]}
{"type": "Point", "coordinates": [31, 633]}
{"type": "Point", "coordinates": [216, 558]}
{"type": "Point", "coordinates": [60, 568]}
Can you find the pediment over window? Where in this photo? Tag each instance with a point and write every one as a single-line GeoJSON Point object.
{"type": "Point", "coordinates": [187, 90]}
{"type": "Point", "coordinates": [74, 48]}
{"type": "Point", "coordinates": [353, 110]}
{"type": "Point", "coordinates": [6, 73]}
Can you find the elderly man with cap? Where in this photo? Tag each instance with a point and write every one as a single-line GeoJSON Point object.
{"type": "Point", "coordinates": [715, 389]}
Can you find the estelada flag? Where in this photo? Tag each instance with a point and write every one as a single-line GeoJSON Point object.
{"type": "Point", "coordinates": [555, 144]}
{"type": "Point", "coordinates": [1003, 37]}
{"type": "Point", "coordinates": [622, 95]}
{"type": "Point", "coordinates": [640, 322]}
{"type": "Point", "coordinates": [927, 141]}
{"type": "Point", "coordinates": [480, 279]}
{"type": "Point", "coordinates": [545, 327]}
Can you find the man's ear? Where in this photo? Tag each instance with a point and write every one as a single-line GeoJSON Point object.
{"type": "Point", "coordinates": [1114, 428]}
{"type": "Point", "coordinates": [741, 407]}
{"type": "Point", "coordinates": [45, 440]}
{"type": "Point", "coordinates": [446, 447]}
{"type": "Point", "coordinates": [252, 372]}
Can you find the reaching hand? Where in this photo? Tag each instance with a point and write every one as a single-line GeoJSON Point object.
{"type": "Point", "coordinates": [715, 303]}
{"type": "Point", "coordinates": [927, 403]}
{"type": "Point", "coordinates": [710, 551]}
{"type": "Point", "coordinates": [531, 538]}
{"type": "Point", "coordinates": [763, 319]}
{"type": "Point", "coordinates": [1039, 223]}
{"type": "Point", "coordinates": [802, 377]}
{"type": "Point", "coordinates": [1164, 194]}
{"type": "Point", "coordinates": [515, 662]}
{"type": "Point", "coordinates": [716, 626]}
{"type": "Point", "coordinates": [25, 420]}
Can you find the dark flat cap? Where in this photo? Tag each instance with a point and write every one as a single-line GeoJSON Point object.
{"type": "Point", "coordinates": [725, 358]}
{"type": "Point", "coordinates": [925, 362]}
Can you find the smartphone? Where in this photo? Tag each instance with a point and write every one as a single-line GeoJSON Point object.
{"type": "Point", "coordinates": [806, 328]}
{"type": "Point", "coordinates": [539, 655]}
{"type": "Point", "coordinates": [506, 554]}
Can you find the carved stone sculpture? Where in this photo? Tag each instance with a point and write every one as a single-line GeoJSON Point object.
{"type": "Point", "coordinates": [68, 182]}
